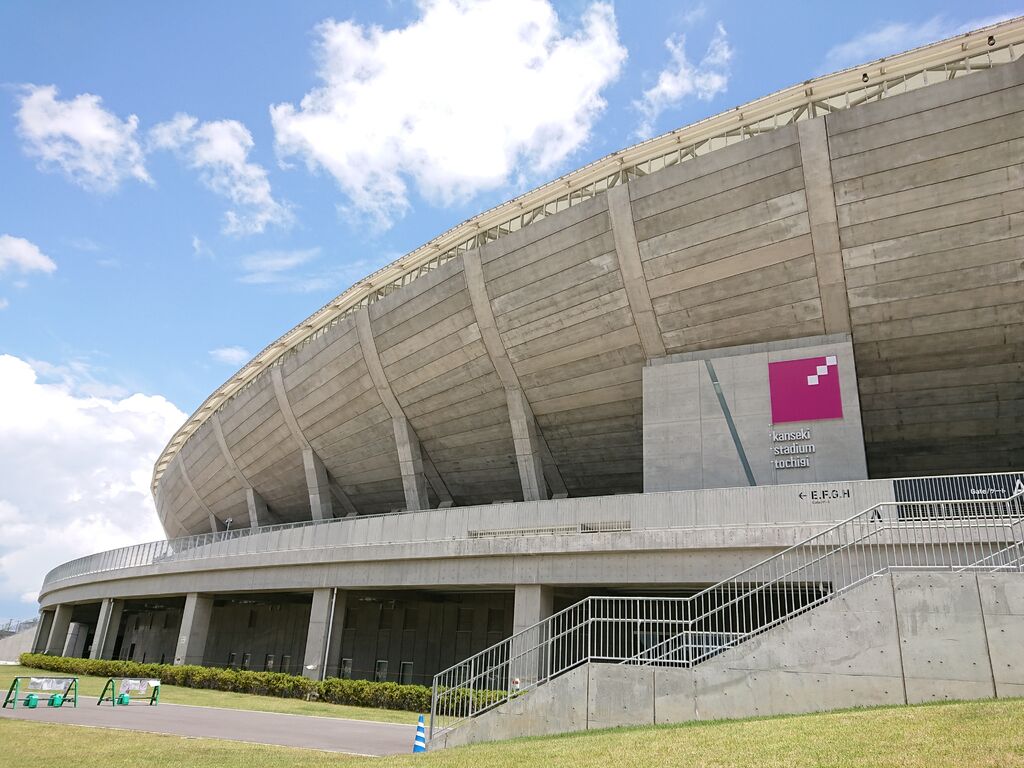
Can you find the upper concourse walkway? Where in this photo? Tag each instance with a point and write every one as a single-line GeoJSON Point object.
{"type": "Point", "coordinates": [615, 540]}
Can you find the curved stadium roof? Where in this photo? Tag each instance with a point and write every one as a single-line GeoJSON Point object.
{"type": "Point", "coordinates": [949, 59]}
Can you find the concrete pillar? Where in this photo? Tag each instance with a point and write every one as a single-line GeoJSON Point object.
{"type": "Point", "coordinates": [319, 486]}
{"type": "Point", "coordinates": [323, 639]}
{"type": "Point", "coordinates": [526, 439]}
{"type": "Point", "coordinates": [533, 603]}
{"type": "Point", "coordinates": [195, 624]}
{"type": "Point", "coordinates": [74, 646]}
{"type": "Point", "coordinates": [199, 499]}
{"type": "Point", "coordinates": [258, 512]}
{"type": "Point", "coordinates": [528, 660]}
{"type": "Point", "coordinates": [59, 630]}
{"type": "Point", "coordinates": [318, 482]}
{"type": "Point", "coordinates": [524, 425]}
{"type": "Point", "coordinates": [42, 631]}
{"type": "Point", "coordinates": [106, 629]}
{"type": "Point", "coordinates": [410, 460]}
{"type": "Point", "coordinates": [821, 210]}
{"type": "Point", "coordinates": [620, 212]}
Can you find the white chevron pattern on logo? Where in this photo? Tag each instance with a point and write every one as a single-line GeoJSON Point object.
{"type": "Point", "coordinates": [822, 370]}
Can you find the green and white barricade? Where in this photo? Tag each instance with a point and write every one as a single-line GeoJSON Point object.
{"type": "Point", "coordinates": [30, 692]}
{"type": "Point", "coordinates": [121, 691]}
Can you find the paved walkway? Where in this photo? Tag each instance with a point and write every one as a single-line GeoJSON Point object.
{"type": "Point", "coordinates": [332, 734]}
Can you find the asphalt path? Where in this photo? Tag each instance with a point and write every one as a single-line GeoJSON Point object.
{"type": "Point", "coordinates": [332, 734]}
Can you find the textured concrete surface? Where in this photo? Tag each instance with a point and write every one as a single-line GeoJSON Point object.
{"type": "Point", "coordinates": [324, 733]}
{"type": "Point", "coordinates": [687, 439]}
{"type": "Point", "coordinates": [14, 645]}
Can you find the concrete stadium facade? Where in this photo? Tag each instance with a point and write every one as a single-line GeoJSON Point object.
{"type": "Point", "coordinates": [492, 428]}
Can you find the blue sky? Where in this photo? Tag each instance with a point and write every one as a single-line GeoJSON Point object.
{"type": "Point", "coordinates": [181, 183]}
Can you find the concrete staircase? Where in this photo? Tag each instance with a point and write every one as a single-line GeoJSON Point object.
{"type": "Point", "coordinates": [815, 597]}
{"type": "Point", "coordinates": [902, 637]}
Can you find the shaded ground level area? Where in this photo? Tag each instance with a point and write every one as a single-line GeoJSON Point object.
{"type": "Point", "coordinates": [321, 733]}
{"type": "Point", "coordinates": [983, 733]}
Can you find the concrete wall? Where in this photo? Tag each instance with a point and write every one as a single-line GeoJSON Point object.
{"type": "Point", "coordinates": [148, 635]}
{"type": "Point", "coordinates": [899, 222]}
{"type": "Point", "coordinates": [699, 430]}
{"type": "Point", "coordinates": [430, 632]}
{"type": "Point", "coordinates": [14, 645]}
{"type": "Point", "coordinates": [902, 638]}
{"type": "Point", "coordinates": [259, 626]}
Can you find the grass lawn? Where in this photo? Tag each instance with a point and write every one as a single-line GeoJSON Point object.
{"type": "Point", "coordinates": [983, 734]}
{"type": "Point", "coordinates": [173, 694]}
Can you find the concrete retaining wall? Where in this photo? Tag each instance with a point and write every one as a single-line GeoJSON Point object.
{"type": "Point", "coordinates": [902, 638]}
{"type": "Point", "coordinates": [13, 646]}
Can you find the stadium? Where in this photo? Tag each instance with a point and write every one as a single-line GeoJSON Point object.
{"type": "Point", "coordinates": [665, 410]}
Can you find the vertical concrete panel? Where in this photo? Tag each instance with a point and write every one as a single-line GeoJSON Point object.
{"type": "Point", "coordinates": [942, 636]}
{"type": "Point", "coordinates": [1002, 601]}
{"type": "Point", "coordinates": [619, 695]}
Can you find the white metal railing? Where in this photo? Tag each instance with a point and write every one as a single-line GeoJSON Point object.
{"type": "Point", "coordinates": [714, 508]}
{"type": "Point", "coordinates": [975, 51]}
{"type": "Point", "coordinates": [683, 631]}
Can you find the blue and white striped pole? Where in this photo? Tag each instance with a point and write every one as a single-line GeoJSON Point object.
{"type": "Point", "coordinates": [420, 744]}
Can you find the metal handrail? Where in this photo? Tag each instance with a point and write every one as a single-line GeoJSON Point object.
{"type": "Point", "coordinates": [684, 631]}
{"type": "Point", "coordinates": [454, 523]}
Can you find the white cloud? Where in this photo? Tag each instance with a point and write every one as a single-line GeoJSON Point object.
{"type": "Point", "coordinates": [79, 377]}
{"type": "Point", "coordinates": [93, 147]}
{"type": "Point", "coordinates": [681, 78]}
{"type": "Point", "coordinates": [24, 255]}
{"type": "Point", "coordinates": [84, 244]}
{"type": "Point", "coordinates": [200, 249]}
{"type": "Point", "coordinates": [74, 472]}
{"type": "Point", "coordinates": [4, 303]}
{"type": "Point", "coordinates": [898, 36]}
{"type": "Point", "coordinates": [219, 150]}
{"type": "Point", "coordinates": [231, 355]}
{"type": "Point", "coordinates": [276, 268]}
{"type": "Point", "coordinates": [463, 99]}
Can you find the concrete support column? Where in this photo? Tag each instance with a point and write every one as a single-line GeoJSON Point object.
{"type": "Point", "coordinates": [526, 439]}
{"type": "Point", "coordinates": [323, 639]}
{"type": "Point", "coordinates": [42, 631]}
{"type": "Point", "coordinates": [107, 625]}
{"type": "Point", "coordinates": [319, 486]}
{"type": "Point", "coordinates": [59, 630]}
{"type": "Point", "coordinates": [410, 460]}
{"type": "Point", "coordinates": [821, 210]}
{"type": "Point", "coordinates": [531, 448]}
{"type": "Point", "coordinates": [258, 512]}
{"type": "Point", "coordinates": [318, 481]}
{"type": "Point", "coordinates": [620, 212]}
{"type": "Point", "coordinates": [195, 625]}
{"type": "Point", "coordinates": [415, 466]}
{"type": "Point", "coordinates": [528, 662]}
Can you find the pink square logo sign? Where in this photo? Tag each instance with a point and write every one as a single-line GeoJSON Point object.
{"type": "Point", "coordinates": [805, 390]}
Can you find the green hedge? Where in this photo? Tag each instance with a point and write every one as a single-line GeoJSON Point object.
{"type": "Point", "coordinates": [360, 693]}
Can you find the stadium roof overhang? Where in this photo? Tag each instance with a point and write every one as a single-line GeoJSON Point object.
{"type": "Point", "coordinates": [955, 57]}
